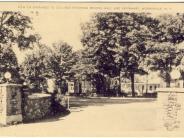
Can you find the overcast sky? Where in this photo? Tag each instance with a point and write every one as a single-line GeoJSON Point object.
{"type": "Point", "coordinates": [56, 26]}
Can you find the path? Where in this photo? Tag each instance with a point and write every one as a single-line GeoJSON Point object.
{"type": "Point", "coordinates": [95, 120]}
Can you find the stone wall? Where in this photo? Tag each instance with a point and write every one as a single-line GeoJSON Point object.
{"type": "Point", "coordinates": [36, 106]}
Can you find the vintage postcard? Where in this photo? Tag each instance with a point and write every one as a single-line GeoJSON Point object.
{"type": "Point", "coordinates": [91, 69]}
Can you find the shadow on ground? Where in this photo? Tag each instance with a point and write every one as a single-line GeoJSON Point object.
{"type": "Point", "coordinates": [77, 102]}
{"type": "Point", "coordinates": [51, 118]}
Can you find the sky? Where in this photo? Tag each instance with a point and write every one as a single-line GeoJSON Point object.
{"type": "Point", "coordinates": [56, 26]}
{"type": "Point", "coordinates": [60, 26]}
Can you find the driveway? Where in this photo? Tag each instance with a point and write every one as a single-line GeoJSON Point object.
{"type": "Point", "coordinates": [99, 119]}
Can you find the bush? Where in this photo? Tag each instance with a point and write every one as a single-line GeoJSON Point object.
{"type": "Point", "coordinates": [59, 103]}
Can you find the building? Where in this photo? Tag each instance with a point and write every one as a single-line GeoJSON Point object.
{"type": "Point", "coordinates": [140, 88]}
{"type": "Point", "coordinates": [71, 87]}
{"type": "Point", "coordinates": [179, 83]}
{"type": "Point", "coordinates": [76, 87]}
{"type": "Point", "coordinates": [144, 84]}
{"type": "Point", "coordinates": [86, 86]}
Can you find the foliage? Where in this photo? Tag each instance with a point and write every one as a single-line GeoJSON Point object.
{"type": "Point", "coordinates": [180, 67]}
{"type": "Point", "coordinates": [171, 28]}
{"type": "Point", "coordinates": [14, 31]}
{"type": "Point", "coordinates": [8, 62]}
{"type": "Point", "coordinates": [164, 58]}
{"type": "Point", "coordinates": [13, 27]}
{"type": "Point", "coordinates": [60, 63]}
{"type": "Point", "coordinates": [164, 54]}
{"type": "Point", "coordinates": [35, 67]}
{"type": "Point", "coordinates": [117, 42]}
{"type": "Point", "coordinates": [62, 60]}
{"type": "Point", "coordinates": [84, 67]}
{"type": "Point", "coordinates": [46, 63]}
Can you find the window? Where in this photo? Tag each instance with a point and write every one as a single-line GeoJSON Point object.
{"type": "Point", "coordinates": [143, 87]}
{"type": "Point", "coordinates": [151, 88]}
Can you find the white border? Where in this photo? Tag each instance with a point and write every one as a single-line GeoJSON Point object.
{"type": "Point", "coordinates": [99, 1]}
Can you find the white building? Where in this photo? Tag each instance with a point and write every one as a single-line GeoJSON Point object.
{"type": "Point", "coordinates": [71, 87]}
{"type": "Point", "coordinates": [140, 87]}
{"type": "Point", "coordinates": [143, 84]}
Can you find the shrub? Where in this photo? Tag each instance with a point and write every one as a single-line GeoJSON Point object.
{"type": "Point", "coordinates": [59, 103]}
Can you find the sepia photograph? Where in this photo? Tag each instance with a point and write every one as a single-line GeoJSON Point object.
{"type": "Point", "coordinates": [91, 69]}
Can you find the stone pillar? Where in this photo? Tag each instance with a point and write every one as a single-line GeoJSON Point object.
{"type": "Point", "coordinates": [10, 104]}
{"type": "Point", "coordinates": [170, 113]}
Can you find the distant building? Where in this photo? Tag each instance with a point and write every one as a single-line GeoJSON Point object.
{"type": "Point", "coordinates": [140, 87]}
{"type": "Point", "coordinates": [86, 86]}
{"type": "Point", "coordinates": [76, 87]}
{"type": "Point", "coordinates": [143, 84]}
{"type": "Point", "coordinates": [71, 87]}
{"type": "Point", "coordinates": [179, 83]}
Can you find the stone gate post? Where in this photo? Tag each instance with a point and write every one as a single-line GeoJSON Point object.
{"type": "Point", "coordinates": [10, 103]}
{"type": "Point", "coordinates": [170, 113]}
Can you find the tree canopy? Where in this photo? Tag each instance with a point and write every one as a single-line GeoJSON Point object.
{"type": "Point", "coordinates": [164, 55]}
{"type": "Point", "coordinates": [48, 62]}
{"type": "Point", "coordinates": [9, 63]}
{"type": "Point", "coordinates": [118, 42]}
{"type": "Point", "coordinates": [13, 29]}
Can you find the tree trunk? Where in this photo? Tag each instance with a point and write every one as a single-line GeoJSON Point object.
{"type": "Point", "coordinates": [119, 85]}
{"type": "Point", "coordinates": [168, 80]}
{"type": "Point", "coordinates": [132, 84]}
{"type": "Point", "coordinates": [100, 84]}
{"type": "Point", "coordinates": [146, 83]}
{"type": "Point", "coordinates": [168, 84]}
{"type": "Point", "coordinates": [60, 84]}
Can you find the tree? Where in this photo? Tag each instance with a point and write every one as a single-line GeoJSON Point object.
{"type": "Point", "coordinates": [117, 42]}
{"type": "Point", "coordinates": [45, 62]}
{"type": "Point", "coordinates": [85, 70]}
{"type": "Point", "coordinates": [35, 66]}
{"type": "Point", "coordinates": [13, 30]}
{"type": "Point", "coordinates": [171, 28]}
{"type": "Point", "coordinates": [164, 54]}
{"type": "Point", "coordinates": [64, 58]}
{"type": "Point", "coordinates": [181, 70]}
{"type": "Point", "coordinates": [180, 66]}
{"type": "Point", "coordinates": [83, 66]}
{"type": "Point", "coordinates": [61, 61]}
{"type": "Point", "coordinates": [9, 63]}
{"type": "Point", "coordinates": [164, 58]}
